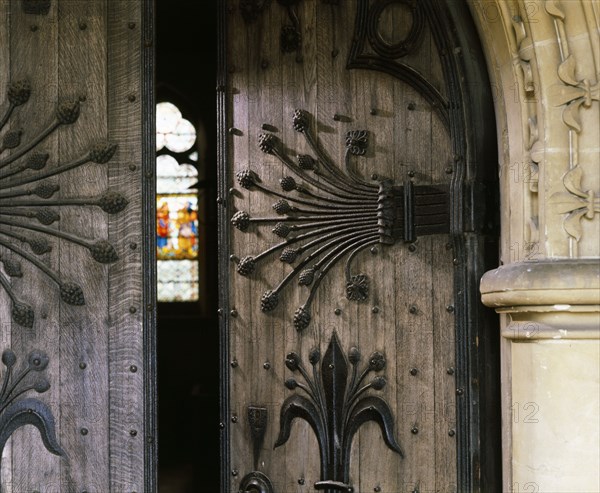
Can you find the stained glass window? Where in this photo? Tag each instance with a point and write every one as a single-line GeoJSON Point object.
{"type": "Point", "coordinates": [176, 206]}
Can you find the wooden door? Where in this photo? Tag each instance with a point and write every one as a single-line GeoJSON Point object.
{"type": "Point", "coordinates": [75, 320]}
{"type": "Point", "coordinates": [355, 140]}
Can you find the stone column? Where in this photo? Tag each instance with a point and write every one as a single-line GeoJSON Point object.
{"type": "Point", "coordinates": [544, 62]}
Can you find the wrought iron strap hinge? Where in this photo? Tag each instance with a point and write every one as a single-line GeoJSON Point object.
{"type": "Point", "coordinates": [325, 212]}
{"type": "Point", "coordinates": [420, 210]}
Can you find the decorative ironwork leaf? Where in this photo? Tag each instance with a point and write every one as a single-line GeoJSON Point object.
{"type": "Point", "coordinates": [371, 408]}
{"type": "Point", "coordinates": [334, 375]}
{"type": "Point", "coordinates": [298, 406]}
{"type": "Point", "coordinates": [25, 210]}
{"type": "Point", "coordinates": [30, 412]}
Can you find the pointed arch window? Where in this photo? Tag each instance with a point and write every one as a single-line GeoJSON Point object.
{"type": "Point", "coordinates": [177, 224]}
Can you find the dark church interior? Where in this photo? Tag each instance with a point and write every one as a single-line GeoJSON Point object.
{"type": "Point", "coordinates": [188, 381]}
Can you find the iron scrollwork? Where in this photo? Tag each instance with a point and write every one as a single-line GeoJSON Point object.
{"type": "Point", "coordinates": [338, 217]}
{"type": "Point", "coordinates": [256, 482]}
{"type": "Point", "coordinates": [28, 206]}
{"type": "Point", "coordinates": [387, 57]}
{"type": "Point", "coordinates": [16, 412]}
{"type": "Point", "coordinates": [335, 407]}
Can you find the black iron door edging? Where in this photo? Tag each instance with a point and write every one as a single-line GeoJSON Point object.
{"type": "Point", "coordinates": [473, 226]}
{"type": "Point", "coordinates": [469, 115]}
{"type": "Point", "coordinates": [147, 34]}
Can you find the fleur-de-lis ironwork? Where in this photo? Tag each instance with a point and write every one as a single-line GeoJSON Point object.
{"type": "Point", "coordinates": [16, 412]}
{"type": "Point", "coordinates": [27, 204]}
{"type": "Point", "coordinates": [338, 217]}
{"type": "Point", "coordinates": [335, 407]}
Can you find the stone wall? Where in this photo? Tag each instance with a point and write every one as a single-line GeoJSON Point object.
{"type": "Point", "coordinates": [544, 64]}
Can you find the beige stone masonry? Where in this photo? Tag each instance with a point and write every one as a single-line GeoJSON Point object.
{"type": "Point", "coordinates": [544, 64]}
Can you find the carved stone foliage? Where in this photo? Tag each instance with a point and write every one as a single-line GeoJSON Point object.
{"type": "Point", "coordinates": [30, 201]}
{"type": "Point", "coordinates": [575, 202]}
{"type": "Point", "coordinates": [333, 214]}
{"type": "Point", "coordinates": [573, 95]}
{"type": "Point", "coordinates": [16, 411]}
{"type": "Point", "coordinates": [335, 402]}
{"type": "Point", "coordinates": [529, 175]}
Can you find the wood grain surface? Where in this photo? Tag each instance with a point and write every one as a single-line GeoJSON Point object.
{"type": "Point", "coordinates": [405, 316]}
{"type": "Point", "coordinates": [87, 52]}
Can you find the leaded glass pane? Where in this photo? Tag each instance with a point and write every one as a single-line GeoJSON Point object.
{"type": "Point", "coordinates": [177, 226]}
{"type": "Point", "coordinates": [176, 208]}
{"type": "Point", "coordinates": [182, 138]}
{"type": "Point", "coordinates": [172, 177]}
{"type": "Point", "coordinates": [177, 280]}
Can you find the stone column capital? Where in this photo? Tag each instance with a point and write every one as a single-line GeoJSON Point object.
{"type": "Point", "coordinates": [546, 299]}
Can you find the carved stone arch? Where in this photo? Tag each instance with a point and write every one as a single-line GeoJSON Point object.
{"type": "Point", "coordinates": [544, 60]}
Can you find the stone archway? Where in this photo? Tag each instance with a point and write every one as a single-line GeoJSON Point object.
{"type": "Point", "coordinates": [544, 64]}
